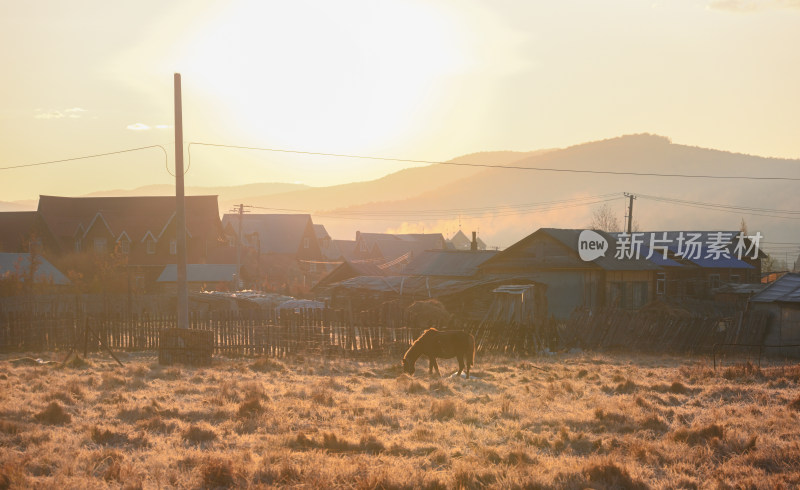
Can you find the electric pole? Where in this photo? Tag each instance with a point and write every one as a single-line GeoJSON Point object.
{"type": "Point", "coordinates": [180, 211]}
{"type": "Point", "coordinates": [239, 250]}
{"type": "Point", "coordinates": [630, 197]}
{"type": "Point", "coordinates": [239, 209]}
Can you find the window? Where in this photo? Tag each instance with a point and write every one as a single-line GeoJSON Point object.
{"type": "Point", "coordinates": [124, 247]}
{"type": "Point", "coordinates": [735, 278]}
{"type": "Point", "coordinates": [139, 281]}
{"type": "Point", "coordinates": [151, 246]}
{"type": "Point", "coordinates": [173, 247]}
{"type": "Point", "coordinates": [305, 242]}
{"type": "Point", "coordinates": [713, 281]}
{"type": "Point", "coordinates": [99, 245]}
{"type": "Point", "coordinates": [661, 283]}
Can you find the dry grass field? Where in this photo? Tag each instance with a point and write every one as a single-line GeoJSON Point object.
{"type": "Point", "coordinates": [566, 421]}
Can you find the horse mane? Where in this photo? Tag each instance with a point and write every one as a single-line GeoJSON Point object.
{"type": "Point", "coordinates": [417, 344]}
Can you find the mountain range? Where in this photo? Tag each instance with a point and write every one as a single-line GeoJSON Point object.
{"type": "Point", "coordinates": [505, 196]}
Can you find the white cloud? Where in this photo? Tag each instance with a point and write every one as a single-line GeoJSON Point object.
{"type": "Point", "coordinates": [163, 126]}
{"type": "Point", "coordinates": [71, 113]}
{"type": "Point", "coordinates": [50, 115]}
{"type": "Point", "coordinates": [138, 127]}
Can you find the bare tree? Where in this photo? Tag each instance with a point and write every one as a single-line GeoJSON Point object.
{"type": "Point", "coordinates": [604, 219]}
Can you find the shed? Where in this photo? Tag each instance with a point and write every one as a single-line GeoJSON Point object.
{"type": "Point", "coordinates": [198, 276]}
{"type": "Point", "coordinates": [782, 300]}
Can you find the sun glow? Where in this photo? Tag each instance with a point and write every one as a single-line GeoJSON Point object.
{"type": "Point", "coordinates": [353, 75]}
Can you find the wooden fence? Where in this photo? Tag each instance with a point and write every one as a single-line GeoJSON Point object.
{"type": "Point", "coordinates": [649, 331]}
{"type": "Point", "coordinates": [254, 332]}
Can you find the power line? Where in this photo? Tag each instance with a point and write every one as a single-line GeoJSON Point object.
{"type": "Point", "coordinates": [508, 167]}
{"type": "Point", "coordinates": [751, 211]}
{"type": "Point", "coordinates": [86, 157]}
{"type": "Point", "coordinates": [426, 216]}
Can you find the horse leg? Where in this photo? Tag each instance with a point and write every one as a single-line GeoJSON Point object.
{"type": "Point", "coordinates": [436, 366]}
{"type": "Point", "coordinates": [431, 363]}
{"type": "Point", "coordinates": [460, 365]}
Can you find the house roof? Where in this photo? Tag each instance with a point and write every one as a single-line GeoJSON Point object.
{"type": "Point", "coordinates": [569, 238]}
{"type": "Point", "coordinates": [278, 233]}
{"type": "Point", "coordinates": [136, 216]}
{"type": "Point", "coordinates": [12, 263]}
{"type": "Point", "coordinates": [785, 289]}
{"type": "Point", "coordinates": [347, 270]}
{"type": "Point", "coordinates": [199, 273]}
{"type": "Point", "coordinates": [15, 229]}
{"type": "Point", "coordinates": [458, 263]}
{"type": "Point", "coordinates": [460, 241]}
{"type": "Point", "coordinates": [321, 232]}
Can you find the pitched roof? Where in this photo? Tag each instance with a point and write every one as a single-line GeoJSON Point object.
{"type": "Point", "coordinates": [459, 263]}
{"type": "Point", "coordinates": [321, 232]}
{"type": "Point", "coordinates": [12, 263]}
{"type": "Point", "coordinates": [136, 215]}
{"type": "Point", "coordinates": [785, 289]}
{"type": "Point", "coordinates": [347, 270]}
{"type": "Point", "coordinates": [278, 233]}
{"type": "Point", "coordinates": [569, 238]}
{"type": "Point", "coordinates": [15, 229]}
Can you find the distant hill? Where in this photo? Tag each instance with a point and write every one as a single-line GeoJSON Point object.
{"type": "Point", "coordinates": [400, 185]}
{"type": "Point", "coordinates": [490, 201]}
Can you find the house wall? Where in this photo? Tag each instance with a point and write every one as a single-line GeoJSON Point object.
{"type": "Point", "coordinates": [629, 289]}
{"type": "Point", "coordinates": [783, 327]}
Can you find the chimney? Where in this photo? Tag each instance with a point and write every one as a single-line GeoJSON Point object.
{"type": "Point", "coordinates": [474, 245]}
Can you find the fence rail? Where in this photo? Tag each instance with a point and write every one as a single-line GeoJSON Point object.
{"type": "Point", "coordinates": [240, 333]}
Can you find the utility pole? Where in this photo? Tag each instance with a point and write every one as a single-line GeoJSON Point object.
{"type": "Point", "coordinates": [630, 197]}
{"type": "Point", "coordinates": [239, 250]}
{"type": "Point", "coordinates": [180, 211]}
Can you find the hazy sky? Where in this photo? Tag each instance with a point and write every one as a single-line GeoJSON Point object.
{"type": "Point", "coordinates": [425, 80]}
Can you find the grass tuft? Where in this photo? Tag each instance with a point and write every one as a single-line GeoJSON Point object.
{"type": "Point", "coordinates": [54, 414]}
{"type": "Point", "coordinates": [197, 435]}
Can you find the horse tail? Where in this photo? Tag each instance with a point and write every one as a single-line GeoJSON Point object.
{"type": "Point", "coordinates": [471, 347]}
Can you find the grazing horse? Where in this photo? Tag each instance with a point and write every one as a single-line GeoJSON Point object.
{"type": "Point", "coordinates": [444, 344]}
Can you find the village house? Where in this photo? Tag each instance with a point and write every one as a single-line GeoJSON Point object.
{"type": "Point", "coordinates": [395, 250]}
{"type": "Point", "coordinates": [697, 269]}
{"type": "Point", "coordinates": [278, 251]}
{"type": "Point", "coordinates": [550, 256]}
{"type": "Point", "coordinates": [140, 229]}
{"type": "Point", "coordinates": [460, 241]}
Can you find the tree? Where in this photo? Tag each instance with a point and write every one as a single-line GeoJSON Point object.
{"type": "Point", "coordinates": [604, 219]}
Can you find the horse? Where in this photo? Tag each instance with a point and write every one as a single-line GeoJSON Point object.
{"type": "Point", "coordinates": [444, 344]}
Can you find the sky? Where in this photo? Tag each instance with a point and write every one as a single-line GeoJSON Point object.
{"type": "Point", "coordinates": [422, 80]}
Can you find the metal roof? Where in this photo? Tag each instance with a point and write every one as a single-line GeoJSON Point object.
{"type": "Point", "coordinates": [11, 263]}
{"type": "Point", "coordinates": [459, 263]}
{"type": "Point", "coordinates": [200, 273]}
{"type": "Point", "coordinates": [786, 289]}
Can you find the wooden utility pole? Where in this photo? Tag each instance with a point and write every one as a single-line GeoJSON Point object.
{"type": "Point", "coordinates": [239, 250]}
{"type": "Point", "coordinates": [630, 197]}
{"type": "Point", "coordinates": [180, 211]}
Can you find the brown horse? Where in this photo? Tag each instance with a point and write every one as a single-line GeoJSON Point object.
{"type": "Point", "coordinates": [444, 344]}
